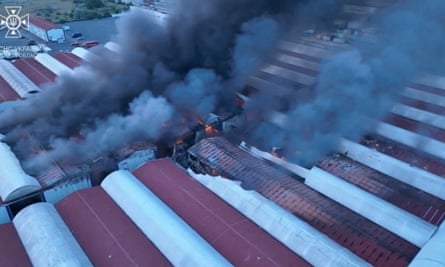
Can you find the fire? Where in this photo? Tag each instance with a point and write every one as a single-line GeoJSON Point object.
{"type": "Point", "coordinates": [214, 172]}
{"type": "Point", "coordinates": [210, 131]}
{"type": "Point", "coordinates": [276, 154]}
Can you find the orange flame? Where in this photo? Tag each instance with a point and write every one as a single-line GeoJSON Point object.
{"type": "Point", "coordinates": [210, 131]}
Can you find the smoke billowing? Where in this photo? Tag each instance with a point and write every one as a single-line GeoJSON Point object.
{"type": "Point", "coordinates": [185, 69]}
{"type": "Point", "coordinates": [362, 84]}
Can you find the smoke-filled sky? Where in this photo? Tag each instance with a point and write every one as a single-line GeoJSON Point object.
{"type": "Point", "coordinates": [362, 84]}
{"type": "Point", "coordinates": [187, 67]}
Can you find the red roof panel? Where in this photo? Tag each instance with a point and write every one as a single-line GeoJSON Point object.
{"type": "Point", "coordinates": [295, 68]}
{"type": "Point", "coordinates": [406, 197]}
{"type": "Point", "coordinates": [6, 92]}
{"type": "Point", "coordinates": [68, 59]}
{"type": "Point", "coordinates": [12, 252]}
{"type": "Point", "coordinates": [349, 229]}
{"type": "Point", "coordinates": [406, 154]}
{"type": "Point", "coordinates": [107, 235]}
{"type": "Point", "coordinates": [416, 126]}
{"type": "Point", "coordinates": [237, 238]}
{"type": "Point", "coordinates": [302, 56]}
{"type": "Point", "coordinates": [423, 105]}
{"type": "Point", "coordinates": [42, 23]}
{"type": "Point", "coordinates": [35, 71]}
{"type": "Point", "coordinates": [429, 89]}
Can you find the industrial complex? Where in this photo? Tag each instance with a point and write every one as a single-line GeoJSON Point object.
{"type": "Point", "coordinates": [209, 197]}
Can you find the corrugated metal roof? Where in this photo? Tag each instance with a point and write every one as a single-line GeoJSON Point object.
{"type": "Point", "coordinates": [370, 207]}
{"type": "Point", "coordinates": [46, 238]}
{"type": "Point", "coordinates": [237, 238]}
{"type": "Point", "coordinates": [51, 175]}
{"type": "Point", "coordinates": [16, 79]}
{"type": "Point", "coordinates": [297, 235]}
{"type": "Point", "coordinates": [7, 93]}
{"type": "Point", "coordinates": [69, 59]}
{"type": "Point", "coordinates": [177, 240]}
{"type": "Point", "coordinates": [12, 252]}
{"type": "Point", "coordinates": [52, 64]}
{"type": "Point", "coordinates": [409, 155]}
{"type": "Point", "coordinates": [409, 198]}
{"type": "Point", "coordinates": [423, 105]}
{"type": "Point", "coordinates": [397, 169]}
{"type": "Point", "coordinates": [366, 239]}
{"type": "Point", "coordinates": [35, 71]}
{"type": "Point", "coordinates": [42, 23]}
{"type": "Point", "coordinates": [133, 147]}
{"type": "Point", "coordinates": [416, 126]}
{"type": "Point", "coordinates": [107, 235]}
{"type": "Point", "coordinates": [14, 182]}
{"type": "Point", "coordinates": [428, 88]}
{"type": "Point", "coordinates": [82, 53]}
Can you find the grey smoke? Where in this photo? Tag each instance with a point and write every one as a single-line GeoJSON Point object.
{"type": "Point", "coordinates": [110, 133]}
{"type": "Point", "coordinates": [201, 86]}
{"type": "Point", "coordinates": [192, 64]}
{"type": "Point", "coordinates": [363, 83]}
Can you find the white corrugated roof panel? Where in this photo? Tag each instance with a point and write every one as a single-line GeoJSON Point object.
{"type": "Point", "coordinates": [394, 219]}
{"type": "Point", "coordinates": [52, 64]}
{"type": "Point", "coordinates": [179, 243]}
{"type": "Point", "coordinates": [18, 81]}
{"type": "Point", "coordinates": [47, 239]}
{"type": "Point", "coordinates": [402, 171]}
{"type": "Point", "coordinates": [14, 182]}
{"type": "Point", "coordinates": [297, 235]}
{"type": "Point", "coordinates": [432, 254]}
{"type": "Point", "coordinates": [411, 139]}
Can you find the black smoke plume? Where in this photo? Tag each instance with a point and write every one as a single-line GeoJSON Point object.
{"type": "Point", "coordinates": [185, 68]}
{"type": "Point", "coordinates": [358, 87]}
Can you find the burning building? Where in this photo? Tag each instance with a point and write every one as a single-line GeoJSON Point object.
{"type": "Point", "coordinates": [343, 208]}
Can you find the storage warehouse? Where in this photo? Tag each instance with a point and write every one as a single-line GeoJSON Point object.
{"type": "Point", "coordinates": [46, 30]}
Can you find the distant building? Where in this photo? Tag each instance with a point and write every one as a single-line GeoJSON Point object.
{"type": "Point", "coordinates": [46, 30]}
{"type": "Point", "coordinates": [163, 6]}
{"type": "Point", "coordinates": [134, 155]}
{"type": "Point", "coordinates": [158, 17]}
{"type": "Point", "coordinates": [133, 2]}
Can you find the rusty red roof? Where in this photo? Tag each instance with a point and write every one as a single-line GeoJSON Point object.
{"type": "Point", "coordinates": [416, 126]}
{"type": "Point", "coordinates": [106, 234]}
{"type": "Point", "coordinates": [429, 89]}
{"type": "Point", "coordinates": [295, 68]}
{"type": "Point", "coordinates": [299, 55]}
{"type": "Point", "coordinates": [406, 197]}
{"type": "Point", "coordinates": [12, 252]}
{"type": "Point", "coordinates": [406, 154]}
{"type": "Point", "coordinates": [42, 23]}
{"type": "Point", "coordinates": [237, 238]}
{"type": "Point", "coordinates": [35, 71]}
{"type": "Point", "coordinates": [6, 91]}
{"type": "Point", "coordinates": [51, 175]}
{"type": "Point", "coordinates": [423, 105]}
{"type": "Point", "coordinates": [69, 59]}
{"type": "Point", "coordinates": [128, 149]}
{"type": "Point", "coordinates": [363, 237]}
